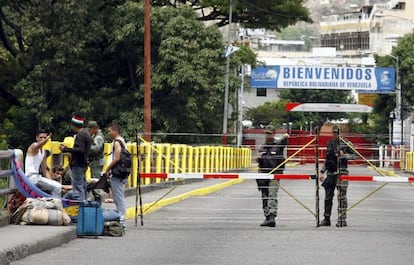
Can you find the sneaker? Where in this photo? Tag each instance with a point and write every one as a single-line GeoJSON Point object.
{"type": "Point", "coordinates": [270, 221]}
{"type": "Point", "coordinates": [341, 224]}
{"type": "Point", "coordinates": [325, 222]}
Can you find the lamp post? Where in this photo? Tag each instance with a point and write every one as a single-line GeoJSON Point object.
{"type": "Point", "coordinates": [240, 109]}
{"type": "Point", "coordinates": [390, 129]}
{"type": "Point", "coordinates": [399, 106]}
{"type": "Point", "coordinates": [226, 89]}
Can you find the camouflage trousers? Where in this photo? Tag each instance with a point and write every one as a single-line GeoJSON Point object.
{"type": "Point", "coordinates": [342, 187]}
{"type": "Point", "coordinates": [331, 182]}
{"type": "Point", "coordinates": [269, 190]}
{"type": "Point", "coordinates": [96, 171]}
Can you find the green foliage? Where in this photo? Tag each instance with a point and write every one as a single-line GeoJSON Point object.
{"type": "Point", "coordinates": [59, 58]}
{"type": "Point", "coordinates": [275, 14]}
{"type": "Point", "coordinates": [384, 104]}
{"type": "Point", "coordinates": [269, 113]}
{"type": "Point", "coordinates": [309, 33]}
{"type": "Point", "coordinates": [188, 78]}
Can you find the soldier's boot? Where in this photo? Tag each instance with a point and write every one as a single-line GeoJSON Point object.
{"type": "Point", "coordinates": [341, 223]}
{"type": "Point", "coordinates": [325, 222]}
{"type": "Point", "coordinates": [269, 221]}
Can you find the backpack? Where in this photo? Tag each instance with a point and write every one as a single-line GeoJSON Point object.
{"type": "Point", "coordinates": [123, 168]}
{"type": "Point", "coordinates": [113, 228]}
{"type": "Point", "coordinates": [331, 160]}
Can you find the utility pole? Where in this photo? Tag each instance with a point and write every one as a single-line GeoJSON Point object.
{"type": "Point", "coordinates": [399, 106]}
{"type": "Point", "coordinates": [147, 71]}
{"type": "Point", "coordinates": [240, 109]}
{"type": "Point", "coordinates": [226, 89]}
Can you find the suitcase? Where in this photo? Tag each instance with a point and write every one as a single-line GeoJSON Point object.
{"type": "Point", "coordinates": [90, 219]}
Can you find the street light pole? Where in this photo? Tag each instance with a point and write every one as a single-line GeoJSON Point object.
{"type": "Point", "coordinates": [402, 153]}
{"type": "Point", "coordinates": [226, 89]}
{"type": "Point", "coordinates": [399, 108]}
{"type": "Point", "coordinates": [240, 109]}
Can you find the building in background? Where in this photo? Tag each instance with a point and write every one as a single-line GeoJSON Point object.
{"type": "Point", "coordinates": [368, 29]}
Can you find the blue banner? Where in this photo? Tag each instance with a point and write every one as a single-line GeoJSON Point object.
{"type": "Point", "coordinates": [363, 79]}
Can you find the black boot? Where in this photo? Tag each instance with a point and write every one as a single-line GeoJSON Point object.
{"type": "Point", "coordinates": [341, 223]}
{"type": "Point", "coordinates": [325, 222]}
{"type": "Point", "coordinates": [269, 221]}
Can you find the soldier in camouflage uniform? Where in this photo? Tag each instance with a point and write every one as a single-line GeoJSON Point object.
{"type": "Point", "coordinates": [96, 155]}
{"type": "Point", "coordinates": [335, 153]}
{"type": "Point", "coordinates": [270, 156]}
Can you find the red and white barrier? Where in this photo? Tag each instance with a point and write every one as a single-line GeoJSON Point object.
{"type": "Point", "coordinates": [224, 176]}
{"type": "Point", "coordinates": [270, 176]}
{"type": "Point", "coordinates": [377, 178]}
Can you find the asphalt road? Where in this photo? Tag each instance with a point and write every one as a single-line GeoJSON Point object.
{"type": "Point", "coordinates": [223, 228]}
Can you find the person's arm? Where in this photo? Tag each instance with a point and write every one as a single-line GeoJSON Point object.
{"type": "Point", "coordinates": [78, 147]}
{"type": "Point", "coordinates": [43, 168]}
{"type": "Point", "coordinates": [116, 157]}
{"type": "Point", "coordinates": [36, 146]}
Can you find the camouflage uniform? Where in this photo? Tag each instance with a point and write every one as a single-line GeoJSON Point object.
{"type": "Point", "coordinates": [272, 156]}
{"type": "Point", "coordinates": [96, 161]}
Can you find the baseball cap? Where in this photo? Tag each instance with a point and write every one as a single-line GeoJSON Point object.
{"type": "Point", "coordinates": [92, 124]}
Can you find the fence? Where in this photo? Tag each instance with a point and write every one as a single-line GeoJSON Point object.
{"type": "Point", "coordinates": [164, 158]}
{"type": "Point", "coordinates": [5, 189]}
{"type": "Point", "coordinates": [5, 172]}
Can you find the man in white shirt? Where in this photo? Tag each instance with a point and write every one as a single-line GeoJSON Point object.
{"type": "Point", "coordinates": [36, 168]}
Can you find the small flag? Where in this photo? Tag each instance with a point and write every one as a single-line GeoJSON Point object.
{"type": "Point", "coordinates": [230, 49]}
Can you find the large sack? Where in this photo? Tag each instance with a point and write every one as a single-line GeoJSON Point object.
{"type": "Point", "coordinates": [41, 211]}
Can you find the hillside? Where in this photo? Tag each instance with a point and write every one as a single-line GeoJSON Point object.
{"type": "Point", "coordinates": [320, 8]}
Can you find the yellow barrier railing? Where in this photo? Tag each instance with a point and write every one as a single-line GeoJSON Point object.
{"type": "Point", "coordinates": [165, 158]}
{"type": "Point", "coordinates": [409, 162]}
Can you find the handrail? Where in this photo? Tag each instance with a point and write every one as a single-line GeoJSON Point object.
{"type": "Point", "coordinates": [4, 175]}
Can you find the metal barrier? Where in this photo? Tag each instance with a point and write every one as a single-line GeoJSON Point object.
{"type": "Point", "coordinates": [6, 186]}
{"type": "Point", "coordinates": [164, 158]}
{"type": "Point", "coordinates": [5, 173]}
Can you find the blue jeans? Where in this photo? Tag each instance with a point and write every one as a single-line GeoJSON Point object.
{"type": "Point", "coordinates": [48, 185]}
{"type": "Point", "coordinates": [117, 186]}
{"type": "Point", "coordinates": [79, 183]}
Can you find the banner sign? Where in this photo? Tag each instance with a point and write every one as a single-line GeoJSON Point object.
{"type": "Point", "coordinates": [373, 79]}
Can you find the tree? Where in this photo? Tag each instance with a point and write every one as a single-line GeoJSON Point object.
{"type": "Point", "coordinates": [59, 69]}
{"type": "Point", "coordinates": [89, 62]}
{"type": "Point", "coordinates": [269, 113]}
{"type": "Point", "coordinates": [275, 14]}
{"type": "Point", "coordinates": [188, 79]}
{"type": "Point", "coordinates": [386, 103]}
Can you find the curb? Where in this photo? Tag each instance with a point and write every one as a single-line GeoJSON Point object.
{"type": "Point", "coordinates": [23, 250]}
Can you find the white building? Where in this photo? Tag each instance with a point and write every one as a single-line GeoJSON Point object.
{"type": "Point", "coordinates": [369, 29]}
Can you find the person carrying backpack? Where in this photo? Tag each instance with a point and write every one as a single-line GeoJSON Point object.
{"type": "Point", "coordinates": [112, 172]}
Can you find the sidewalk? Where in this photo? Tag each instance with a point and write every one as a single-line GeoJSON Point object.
{"type": "Point", "coordinates": [19, 241]}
